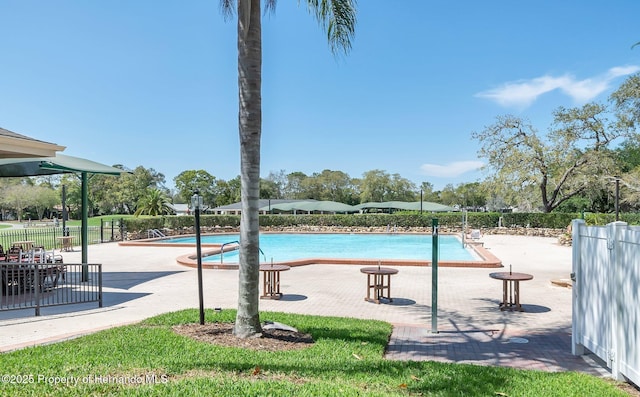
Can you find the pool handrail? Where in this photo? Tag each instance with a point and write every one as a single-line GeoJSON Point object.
{"type": "Point", "coordinates": [222, 248]}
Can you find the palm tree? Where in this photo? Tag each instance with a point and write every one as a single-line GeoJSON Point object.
{"type": "Point", "coordinates": [154, 202]}
{"type": "Point", "coordinates": [338, 18]}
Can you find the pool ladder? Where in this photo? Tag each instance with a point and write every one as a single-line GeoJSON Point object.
{"type": "Point", "coordinates": [222, 248]}
{"type": "Point", "coordinates": [154, 233]}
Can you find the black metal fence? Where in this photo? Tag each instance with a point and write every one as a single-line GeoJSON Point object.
{"type": "Point", "coordinates": [51, 237]}
{"type": "Point", "coordinates": [38, 285]}
{"type": "Point", "coordinates": [48, 237]}
{"type": "Point", "coordinates": [112, 230]}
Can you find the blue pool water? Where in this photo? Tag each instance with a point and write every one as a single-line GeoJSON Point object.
{"type": "Point", "coordinates": [287, 247]}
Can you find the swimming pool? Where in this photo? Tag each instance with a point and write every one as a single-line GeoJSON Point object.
{"type": "Point", "coordinates": [291, 247]}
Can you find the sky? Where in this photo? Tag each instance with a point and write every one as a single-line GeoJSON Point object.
{"type": "Point", "coordinates": [153, 83]}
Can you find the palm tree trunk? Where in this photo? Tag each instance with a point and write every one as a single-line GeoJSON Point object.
{"type": "Point", "coordinates": [250, 127]}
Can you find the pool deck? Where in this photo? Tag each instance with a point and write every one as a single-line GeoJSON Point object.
{"type": "Point", "coordinates": [140, 282]}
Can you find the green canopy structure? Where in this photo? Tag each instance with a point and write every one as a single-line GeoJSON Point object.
{"type": "Point", "coordinates": [310, 206]}
{"type": "Point", "coordinates": [407, 206]}
{"type": "Point", "coordinates": [60, 164]}
{"type": "Point", "coordinates": [430, 207]}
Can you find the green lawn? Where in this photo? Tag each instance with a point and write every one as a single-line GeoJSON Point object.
{"type": "Point", "coordinates": [95, 221]}
{"type": "Point", "coordinates": [345, 360]}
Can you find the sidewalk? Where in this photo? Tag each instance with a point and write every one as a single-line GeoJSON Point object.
{"type": "Point", "coordinates": [140, 282]}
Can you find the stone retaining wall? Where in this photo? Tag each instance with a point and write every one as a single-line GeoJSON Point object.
{"type": "Point", "coordinates": [561, 234]}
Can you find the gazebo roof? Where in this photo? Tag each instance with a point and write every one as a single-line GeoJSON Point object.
{"type": "Point", "coordinates": [14, 145]}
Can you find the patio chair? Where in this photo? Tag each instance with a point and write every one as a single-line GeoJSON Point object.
{"type": "Point", "coordinates": [60, 269]}
{"type": "Point", "coordinates": [39, 254]}
{"type": "Point", "coordinates": [14, 253]}
{"type": "Point", "coordinates": [52, 257]}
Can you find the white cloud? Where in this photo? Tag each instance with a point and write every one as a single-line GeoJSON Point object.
{"type": "Point", "coordinates": [450, 170]}
{"type": "Point", "coordinates": [523, 93]}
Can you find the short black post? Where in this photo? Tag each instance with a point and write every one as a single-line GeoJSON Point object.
{"type": "Point", "coordinates": [434, 276]}
{"type": "Point", "coordinates": [617, 198]}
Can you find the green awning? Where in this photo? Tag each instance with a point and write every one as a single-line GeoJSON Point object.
{"type": "Point", "coordinates": [322, 206]}
{"type": "Point", "coordinates": [407, 206]}
{"type": "Point", "coordinates": [60, 163]}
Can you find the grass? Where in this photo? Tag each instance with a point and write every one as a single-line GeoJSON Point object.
{"type": "Point", "coordinates": [149, 359]}
{"type": "Point", "coordinates": [95, 220]}
{"type": "Point", "coordinates": [92, 221]}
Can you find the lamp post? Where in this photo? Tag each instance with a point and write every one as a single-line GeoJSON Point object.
{"type": "Point", "coordinates": [196, 204]}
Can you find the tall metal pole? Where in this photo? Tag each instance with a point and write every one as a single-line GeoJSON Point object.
{"type": "Point", "coordinates": [420, 201]}
{"type": "Point", "coordinates": [64, 210]}
{"type": "Point", "coordinates": [84, 227]}
{"type": "Point", "coordinates": [196, 202]}
{"type": "Point", "coordinates": [434, 276]}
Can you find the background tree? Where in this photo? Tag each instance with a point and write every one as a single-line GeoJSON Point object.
{"type": "Point", "coordinates": [428, 194]}
{"type": "Point", "coordinates": [105, 193]}
{"type": "Point", "coordinates": [187, 182]}
{"type": "Point", "coordinates": [494, 202]}
{"type": "Point", "coordinates": [338, 16]}
{"type": "Point", "coordinates": [328, 185]}
{"type": "Point", "coordinates": [269, 189]}
{"type": "Point", "coordinates": [74, 195]}
{"type": "Point", "coordinates": [17, 198]}
{"type": "Point", "coordinates": [378, 186]}
{"type": "Point", "coordinates": [627, 155]}
{"type": "Point", "coordinates": [626, 100]}
{"type": "Point", "coordinates": [374, 186]}
{"type": "Point", "coordinates": [448, 195]}
{"type": "Point", "coordinates": [279, 180]}
{"type": "Point", "coordinates": [569, 160]}
{"type": "Point", "coordinates": [466, 196]}
{"type": "Point", "coordinates": [401, 189]}
{"type": "Point", "coordinates": [6, 209]}
{"type": "Point", "coordinates": [155, 202]}
{"type": "Point", "coordinates": [43, 199]}
{"type": "Point", "coordinates": [131, 187]}
{"type": "Point", "coordinates": [293, 189]}
{"type": "Point", "coordinates": [472, 196]}
{"type": "Point", "coordinates": [337, 186]}
{"type": "Point", "coordinates": [228, 192]}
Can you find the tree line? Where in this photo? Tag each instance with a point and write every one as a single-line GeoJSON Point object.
{"type": "Point", "coordinates": [576, 165]}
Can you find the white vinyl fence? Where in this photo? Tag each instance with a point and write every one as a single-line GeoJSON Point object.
{"type": "Point", "coordinates": [606, 295]}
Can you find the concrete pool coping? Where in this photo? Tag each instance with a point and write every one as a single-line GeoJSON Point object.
{"type": "Point", "coordinates": [488, 260]}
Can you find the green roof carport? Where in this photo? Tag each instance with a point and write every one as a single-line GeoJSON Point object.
{"type": "Point", "coordinates": [408, 206]}
{"type": "Point", "coordinates": [323, 206]}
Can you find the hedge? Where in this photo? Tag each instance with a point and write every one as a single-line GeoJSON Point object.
{"type": "Point", "coordinates": [475, 220]}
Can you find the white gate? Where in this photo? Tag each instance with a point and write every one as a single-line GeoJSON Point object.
{"type": "Point", "coordinates": [606, 295]}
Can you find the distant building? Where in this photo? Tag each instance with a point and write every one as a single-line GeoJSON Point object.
{"type": "Point", "coordinates": [180, 209]}
{"type": "Point", "coordinates": [236, 208]}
